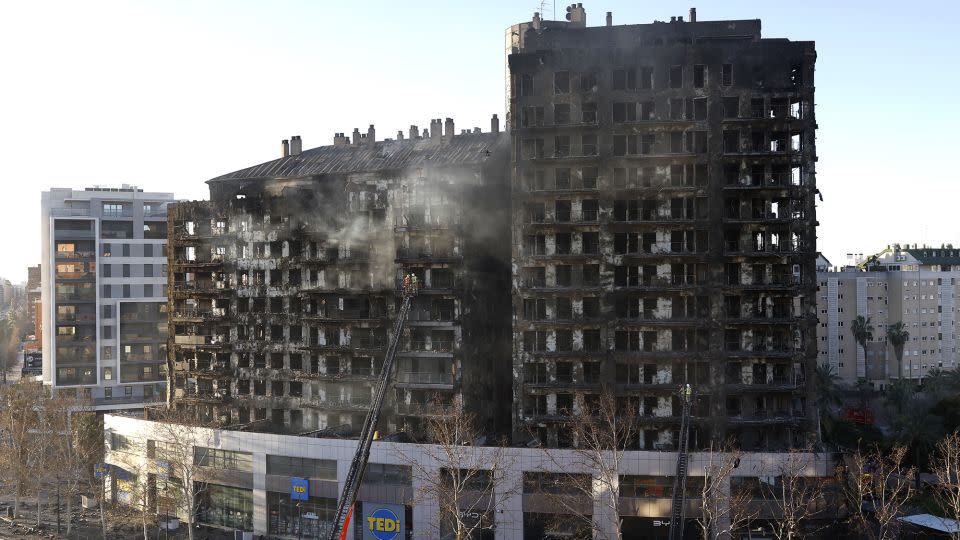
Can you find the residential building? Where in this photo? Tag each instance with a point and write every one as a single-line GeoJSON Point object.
{"type": "Point", "coordinates": [664, 227]}
{"type": "Point", "coordinates": [917, 286]}
{"type": "Point", "coordinates": [285, 285]}
{"type": "Point", "coordinates": [103, 292]}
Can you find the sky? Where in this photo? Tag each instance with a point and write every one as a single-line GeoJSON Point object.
{"type": "Point", "coordinates": [167, 94]}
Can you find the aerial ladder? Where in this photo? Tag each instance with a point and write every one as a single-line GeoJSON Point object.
{"type": "Point", "coordinates": [680, 478]}
{"type": "Point", "coordinates": [359, 464]}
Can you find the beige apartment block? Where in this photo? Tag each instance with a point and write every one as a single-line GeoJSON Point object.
{"type": "Point", "coordinates": [915, 285]}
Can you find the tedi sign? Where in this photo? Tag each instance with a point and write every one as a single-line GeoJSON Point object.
{"type": "Point", "coordinates": [383, 521]}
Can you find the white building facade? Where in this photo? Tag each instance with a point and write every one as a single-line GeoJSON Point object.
{"type": "Point", "coordinates": [103, 292]}
{"type": "Point", "coordinates": [249, 475]}
{"type": "Point", "coordinates": [916, 286]}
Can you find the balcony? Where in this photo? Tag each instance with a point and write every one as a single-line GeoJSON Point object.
{"type": "Point", "coordinates": [70, 211]}
{"type": "Point", "coordinates": [764, 384]}
{"type": "Point", "coordinates": [202, 287]}
{"type": "Point", "coordinates": [421, 409]}
{"type": "Point", "coordinates": [424, 378]}
{"type": "Point", "coordinates": [358, 404]}
{"type": "Point", "coordinates": [434, 348]}
{"type": "Point", "coordinates": [75, 255]}
{"type": "Point", "coordinates": [763, 416]}
{"type": "Point", "coordinates": [71, 341]}
{"type": "Point", "coordinates": [187, 315]}
{"type": "Point", "coordinates": [196, 341]}
{"type": "Point", "coordinates": [407, 255]}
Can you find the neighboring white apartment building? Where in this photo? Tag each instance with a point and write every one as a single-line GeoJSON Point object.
{"type": "Point", "coordinates": [916, 285]}
{"type": "Point", "coordinates": [103, 284]}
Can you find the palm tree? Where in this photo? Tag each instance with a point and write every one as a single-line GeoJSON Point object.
{"type": "Point", "coordinates": [828, 386]}
{"type": "Point", "coordinates": [863, 389]}
{"type": "Point", "coordinates": [899, 392]}
{"type": "Point", "coordinates": [897, 335]}
{"type": "Point", "coordinates": [828, 395]}
{"type": "Point", "coordinates": [862, 333]}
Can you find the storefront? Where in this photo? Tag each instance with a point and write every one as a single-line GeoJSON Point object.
{"type": "Point", "coordinates": [225, 506]}
{"type": "Point", "coordinates": [301, 519]}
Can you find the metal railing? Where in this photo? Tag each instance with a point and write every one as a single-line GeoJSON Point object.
{"type": "Point", "coordinates": [424, 377]}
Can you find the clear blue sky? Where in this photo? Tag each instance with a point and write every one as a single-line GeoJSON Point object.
{"type": "Point", "coordinates": [168, 94]}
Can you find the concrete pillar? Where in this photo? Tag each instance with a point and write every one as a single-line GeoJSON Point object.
{"type": "Point", "coordinates": [260, 524]}
{"type": "Point", "coordinates": [426, 518]}
{"type": "Point", "coordinates": [343, 469]}
{"type": "Point", "coordinates": [604, 516]}
{"type": "Point", "coordinates": [509, 494]}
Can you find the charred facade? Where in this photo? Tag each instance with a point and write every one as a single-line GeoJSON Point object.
{"type": "Point", "coordinates": [283, 287]}
{"type": "Point", "coordinates": [664, 227]}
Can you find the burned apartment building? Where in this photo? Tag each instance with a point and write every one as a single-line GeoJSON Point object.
{"type": "Point", "coordinates": [664, 227]}
{"type": "Point", "coordinates": [284, 287]}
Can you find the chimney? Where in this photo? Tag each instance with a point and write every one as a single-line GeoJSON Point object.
{"type": "Point", "coordinates": [476, 131]}
{"type": "Point", "coordinates": [536, 20]}
{"type": "Point", "coordinates": [399, 134]}
{"type": "Point", "coordinates": [371, 135]}
{"type": "Point", "coordinates": [356, 136]}
{"type": "Point", "coordinates": [426, 134]}
{"type": "Point", "coordinates": [609, 18]}
{"type": "Point", "coordinates": [680, 18]}
{"type": "Point", "coordinates": [693, 14]}
{"type": "Point", "coordinates": [448, 130]}
{"type": "Point", "coordinates": [673, 18]}
{"type": "Point", "coordinates": [577, 15]}
{"type": "Point", "coordinates": [414, 132]}
{"type": "Point", "coordinates": [340, 139]}
{"type": "Point", "coordinates": [436, 129]}
{"type": "Point", "coordinates": [285, 148]}
{"type": "Point", "coordinates": [296, 145]}
{"type": "Point", "coordinates": [494, 124]}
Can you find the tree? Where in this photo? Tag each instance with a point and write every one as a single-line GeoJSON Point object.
{"type": "Point", "coordinates": [828, 393]}
{"type": "Point", "coordinates": [466, 483]}
{"type": "Point", "coordinates": [862, 332]}
{"type": "Point", "coordinates": [19, 448]}
{"type": "Point", "coordinates": [876, 487]}
{"type": "Point", "coordinates": [724, 508]}
{"type": "Point", "coordinates": [946, 468]}
{"type": "Point", "coordinates": [898, 393]}
{"type": "Point", "coordinates": [863, 390]}
{"type": "Point", "coordinates": [795, 497]}
{"type": "Point", "coordinates": [178, 432]}
{"type": "Point", "coordinates": [897, 336]}
{"type": "Point", "coordinates": [599, 431]}
{"type": "Point", "coordinates": [7, 349]}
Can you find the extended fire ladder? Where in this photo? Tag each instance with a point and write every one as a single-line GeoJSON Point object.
{"type": "Point", "coordinates": [359, 463]}
{"type": "Point", "coordinates": [680, 478]}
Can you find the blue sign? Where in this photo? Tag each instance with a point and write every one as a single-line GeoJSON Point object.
{"type": "Point", "coordinates": [163, 470]}
{"type": "Point", "coordinates": [383, 524]}
{"type": "Point", "coordinates": [299, 489]}
{"type": "Point", "coordinates": [100, 470]}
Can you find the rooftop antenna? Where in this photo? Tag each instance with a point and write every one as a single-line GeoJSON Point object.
{"type": "Point", "coordinates": [553, 8]}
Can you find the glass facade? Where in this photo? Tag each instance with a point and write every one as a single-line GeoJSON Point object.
{"type": "Point", "coordinates": [312, 518]}
{"type": "Point", "coordinates": [223, 459]}
{"type": "Point", "coordinates": [321, 469]}
{"type": "Point", "coordinates": [226, 506]}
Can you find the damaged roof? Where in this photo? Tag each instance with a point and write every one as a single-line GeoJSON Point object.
{"type": "Point", "coordinates": [465, 149]}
